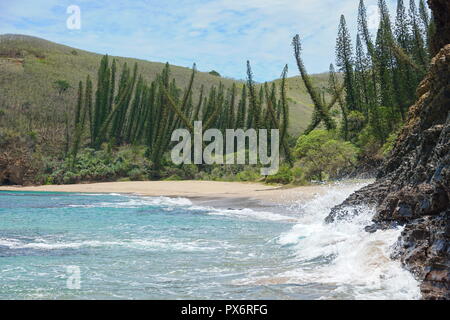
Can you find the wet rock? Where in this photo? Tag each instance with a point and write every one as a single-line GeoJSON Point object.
{"type": "Point", "coordinates": [372, 228]}
{"type": "Point", "coordinates": [413, 185]}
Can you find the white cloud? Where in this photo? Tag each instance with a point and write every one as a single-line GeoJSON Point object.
{"type": "Point", "coordinates": [217, 34]}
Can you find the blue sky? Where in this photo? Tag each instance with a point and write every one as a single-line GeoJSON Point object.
{"type": "Point", "coordinates": [216, 34]}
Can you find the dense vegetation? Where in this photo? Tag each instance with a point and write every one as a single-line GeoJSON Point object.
{"type": "Point", "coordinates": [130, 111]}
{"type": "Point", "coordinates": [116, 122]}
{"type": "Point", "coordinates": [30, 66]}
{"type": "Point", "coordinates": [379, 79]}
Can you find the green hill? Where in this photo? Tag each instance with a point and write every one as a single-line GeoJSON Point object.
{"type": "Point", "coordinates": [29, 66]}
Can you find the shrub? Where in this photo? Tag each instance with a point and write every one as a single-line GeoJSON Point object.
{"type": "Point", "coordinates": [386, 149]}
{"type": "Point", "coordinates": [249, 175]}
{"type": "Point", "coordinates": [102, 165]}
{"type": "Point", "coordinates": [173, 178]}
{"type": "Point", "coordinates": [356, 121]}
{"type": "Point", "coordinates": [322, 157]}
{"type": "Point", "coordinates": [298, 176]}
{"type": "Point", "coordinates": [283, 176]}
{"type": "Point", "coordinates": [136, 174]}
{"type": "Point", "coordinates": [214, 73]}
{"type": "Point", "coordinates": [69, 178]}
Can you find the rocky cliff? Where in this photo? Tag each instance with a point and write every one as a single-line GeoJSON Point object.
{"type": "Point", "coordinates": [413, 186]}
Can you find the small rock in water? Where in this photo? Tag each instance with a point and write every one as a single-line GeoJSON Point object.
{"type": "Point", "coordinates": [371, 229]}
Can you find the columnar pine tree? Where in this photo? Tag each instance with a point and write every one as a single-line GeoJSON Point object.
{"type": "Point", "coordinates": [418, 49]}
{"type": "Point", "coordinates": [425, 20]}
{"type": "Point", "coordinates": [232, 111]}
{"type": "Point", "coordinates": [402, 32]}
{"type": "Point", "coordinates": [254, 100]}
{"type": "Point", "coordinates": [333, 87]}
{"type": "Point", "coordinates": [242, 108]}
{"type": "Point", "coordinates": [385, 62]}
{"type": "Point", "coordinates": [363, 29]}
{"type": "Point", "coordinates": [101, 99]}
{"type": "Point", "coordinates": [135, 112]}
{"type": "Point", "coordinates": [345, 62]}
{"type": "Point", "coordinates": [321, 111]}
{"type": "Point", "coordinates": [384, 68]}
{"type": "Point", "coordinates": [80, 113]}
{"type": "Point", "coordinates": [404, 82]}
{"type": "Point", "coordinates": [380, 77]}
{"type": "Point", "coordinates": [366, 37]}
{"type": "Point", "coordinates": [361, 78]}
{"type": "Point", "coordinates": [112, 86]}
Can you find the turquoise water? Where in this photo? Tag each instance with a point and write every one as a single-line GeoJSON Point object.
{"type": "Point", "coordinates": [131, 247]}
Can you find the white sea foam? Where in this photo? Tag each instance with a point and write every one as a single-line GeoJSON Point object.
{"type": "Point", "coordinates": [339, 260]}
{"type": "Point", "coordinates": [171, 203]}
{"type": "Point", "coordinates": [251, 214]}
{"type": "Point", "coordinates": [341, 256]}
{"type": "Point", "coordinates": [359, 263]}
{"type": "Point", "coordinates": [143, 244]}
{"type": "Point", "coordinates": [136, 202]}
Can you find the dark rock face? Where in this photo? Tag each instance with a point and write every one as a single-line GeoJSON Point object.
{"type": "Point", "coordinates": [413, 186]}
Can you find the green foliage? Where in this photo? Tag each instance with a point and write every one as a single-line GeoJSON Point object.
{"type": "Point", "coordinates": [137, 174]}
{"type": "Point", "coordinates": [80, 116]}
{"type": "Point", "coordinates": [298, 176]}
{"type": "Point", "coordinates": [324, 157]}
{"type": "Point", "coordinates": [380, 77]}
{"type": "Point", "coordinates": [145, 114]}
{"type": "Point", "coordinates": [283, 176]}
{"type": "Point", "coordinates": [333, 88]}
{"type": "Point", "coordinates": [28, 80]}
{"type": "Point", "coordinates": [138, 106]}
{"type": "Point", "coordinates": [345, 62]}
{"type": "Point", "coordinates": [101, 165]}
{"type": "Point", "coordinates": [214, 73]}
{"type": "Point", "coordinates": [355, 122]}
{"type": "Point", "coordinates": [389, 145]}
{"type": "Point", "coordinates": [62, 86]}
{"type": "Point", "coordinates": [248, 175]}
{"type": "Point", "coordinates": [321, 111]}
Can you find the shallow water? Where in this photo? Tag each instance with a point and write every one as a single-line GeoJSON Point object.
{"type": "Point", "coordinates": [131, 247]}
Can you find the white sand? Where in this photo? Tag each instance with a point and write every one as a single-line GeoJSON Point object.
{"type": "Point", "coordinates": [207, 189]}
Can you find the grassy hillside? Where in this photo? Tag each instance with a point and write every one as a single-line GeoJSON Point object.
{"type": "Point", "coordinates": [29, 66]}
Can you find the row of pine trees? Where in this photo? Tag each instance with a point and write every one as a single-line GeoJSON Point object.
{"type": "Point", "coordinates": [381, 73]}
{"type": "Point", "coordinates": [374, 82]}
{"type": "Point", "coordinates": [127, 109]}
{"type": "Point", "coordinates": [372, 85]}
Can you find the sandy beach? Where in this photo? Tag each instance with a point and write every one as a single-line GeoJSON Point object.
{"type": "Point", "coordinates": [265, 194]}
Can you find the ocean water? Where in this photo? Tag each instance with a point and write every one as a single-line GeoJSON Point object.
{"type": "Point", "coordinates": [131, 247]}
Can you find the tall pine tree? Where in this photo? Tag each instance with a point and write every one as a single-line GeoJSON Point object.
{"type": "Point", "coordinates": [345, 62]}
{"type": "Point", "coordinates": [418, 49]}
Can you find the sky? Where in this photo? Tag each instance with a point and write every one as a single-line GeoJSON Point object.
{"type": "Point", "coordinates": [217, 35]}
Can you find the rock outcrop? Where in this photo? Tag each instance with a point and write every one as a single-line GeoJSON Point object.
{"type": "Point", "coordinates": [413, 186]}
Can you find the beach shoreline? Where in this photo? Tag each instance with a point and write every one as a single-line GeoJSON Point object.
{"type": "Point", "coordinates": [223, 194]}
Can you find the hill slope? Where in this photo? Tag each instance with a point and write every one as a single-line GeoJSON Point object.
{"type": "Point", "coordinates": [29, 66]}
